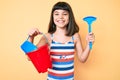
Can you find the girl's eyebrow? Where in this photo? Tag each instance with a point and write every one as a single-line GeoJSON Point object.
{"type": "Point", "coordinates": [56, 11]}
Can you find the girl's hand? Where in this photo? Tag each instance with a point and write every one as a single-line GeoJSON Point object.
{"type": "Point", "coordinates": [90, 38]}
{"type": "Point", "coordinates": [33, 32]}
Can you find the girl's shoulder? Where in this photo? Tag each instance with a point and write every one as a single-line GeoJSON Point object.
{"type": "Point", "coordinates": [76, 37]}
{"type": "Point", "coordinates": [48, 36]}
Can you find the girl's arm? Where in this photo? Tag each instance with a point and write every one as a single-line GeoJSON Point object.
{"type": "Point", "coordinates": [83, 54]}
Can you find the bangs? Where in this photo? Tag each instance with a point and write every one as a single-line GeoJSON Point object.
{"type": "Point", "coordinates": [61, 6]}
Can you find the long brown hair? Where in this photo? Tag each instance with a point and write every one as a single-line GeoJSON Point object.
{"type": "Point", "coordinates": [72, 27]}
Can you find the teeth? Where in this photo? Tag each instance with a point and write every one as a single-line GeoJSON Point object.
{"type": "Point", "coordinates": [60, 21]}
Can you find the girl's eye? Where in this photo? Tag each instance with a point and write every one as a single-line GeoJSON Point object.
{"type": "Point", "coordinates": [56, 14]}
{"type": "Point", "coordinates": [65, 14]}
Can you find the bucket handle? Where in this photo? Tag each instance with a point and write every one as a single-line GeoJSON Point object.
{"type": "Point", "coordinates": [43, 36]}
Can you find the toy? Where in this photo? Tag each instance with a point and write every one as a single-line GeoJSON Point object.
{"type": "Point", "coordinates": [89, 20]}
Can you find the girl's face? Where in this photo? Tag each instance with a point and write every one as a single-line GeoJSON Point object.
{"type": "Point", "coordinates": [61, 18]}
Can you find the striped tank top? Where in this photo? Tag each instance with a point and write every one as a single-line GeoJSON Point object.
{"type": "Point", "coordinates": [62, 56]}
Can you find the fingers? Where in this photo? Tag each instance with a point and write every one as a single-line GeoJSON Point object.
{"type": "Point", "coordinates": [90, 37]}
{"type": "Point", "coordinates": [34, 32]}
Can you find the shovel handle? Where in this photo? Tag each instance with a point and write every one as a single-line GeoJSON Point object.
{"type": "Point", "coordinates": [90, 45]}
{"type": "Point", "coordinates": [90, 30]}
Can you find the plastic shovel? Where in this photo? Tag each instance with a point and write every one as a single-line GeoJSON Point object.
{"type": "Point", "coordinates": [89, 20]}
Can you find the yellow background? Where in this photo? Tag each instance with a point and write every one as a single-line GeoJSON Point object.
{"type": "Point", "coordinates": [17, 17]}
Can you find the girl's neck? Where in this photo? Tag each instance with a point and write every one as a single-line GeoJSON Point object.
{"type": "Point", "coordinates": [60, 31]}
{"type": "Point", "coordinates": [60, 36]}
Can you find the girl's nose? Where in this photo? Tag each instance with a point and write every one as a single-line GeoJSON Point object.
{"type": "Point", "coordinates": [61, 16]}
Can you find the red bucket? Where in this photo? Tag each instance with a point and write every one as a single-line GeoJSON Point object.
{"type": "Point", "coordinates": [41, 58]}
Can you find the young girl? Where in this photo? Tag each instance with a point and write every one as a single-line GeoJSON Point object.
{"type": "Point", "coordinates": [64, 39]}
